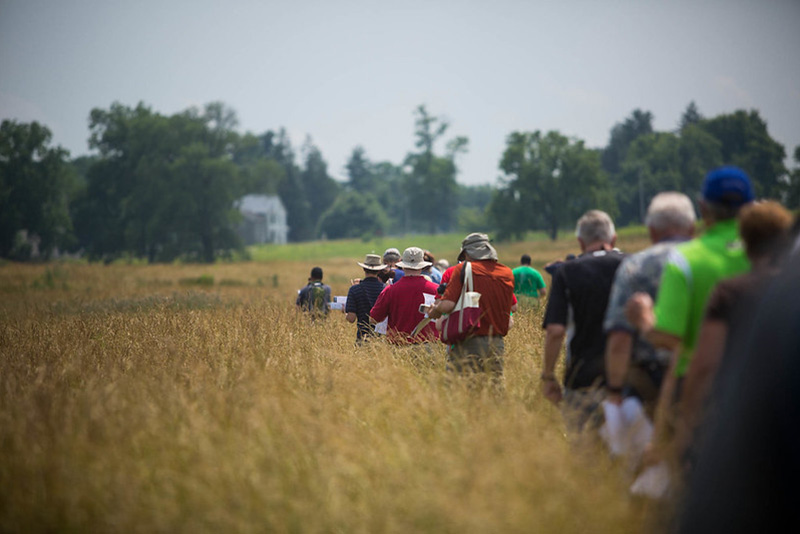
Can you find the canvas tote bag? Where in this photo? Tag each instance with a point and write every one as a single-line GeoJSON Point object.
{"type": "Point", "coordinates": [465, 317]}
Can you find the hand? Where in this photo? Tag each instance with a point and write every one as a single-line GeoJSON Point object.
{"type": "Point", "coordinates": [355, 281]}
{"type": "Point", "coordinates": [639, 311]}
{"type": "Point", "coordinates": [651, 455]}
{"type": "Point", "coordinates": [551, 390]}
{"type": "Point", "coordinates": [614, 398]}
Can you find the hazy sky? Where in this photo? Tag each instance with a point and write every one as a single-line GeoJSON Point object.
{"type": "Point", "coordinates": [351, 73]}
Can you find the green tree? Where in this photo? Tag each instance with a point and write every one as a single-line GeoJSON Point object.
{"type": "Point", "coordinates": [622, 135]}
{"type": "Point", "coordinates": [699, 152]}
{"type": "Point", "coordinates": [549, 181]}
{"type": "Point", "coordinates": [162, 186]}
{"type": "Point", "coordinates": [353, 215]}
{"type": "Point", "coordinates": [473, 203]}
{"type": "Point", "coordinates": [291, 190]}
{"type": "Point", "coordinates": [36, 183]}
{"type": "Point", "coordinates": [202, 210]}
{"type": "Point", "coordinates": [321, 190]}
{"type": "Point", "coordinates": [431, 183]}
{"type": "Point", "coordinates": [793, 182]}
{"type": "Point", "coordinates": [258, 172]}
{"type": "Point", "coordinates": [359, 172]}
{"type": "Point", "coordinates": [691, 116]}
{"type": "Point", "coordinates": [746, 143]}
{"type": "Point", "coordinates": [389, 190]}
{"type": "Point", "coordinates": [383, 180]}
{"type": "Point", "coordinates": [663, 161]}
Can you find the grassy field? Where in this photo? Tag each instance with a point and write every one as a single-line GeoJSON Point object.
{"type": "Point", "coordinates": [192, 398]}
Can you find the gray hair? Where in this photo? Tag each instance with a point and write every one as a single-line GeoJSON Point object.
{"type": "Point", "coordinates": [670, 211]}
{"type": "Point", "coordinates": [595, 226]}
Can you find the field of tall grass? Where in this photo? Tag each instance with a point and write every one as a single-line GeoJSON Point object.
{"type": "Point", "coordinates": [191, 398]}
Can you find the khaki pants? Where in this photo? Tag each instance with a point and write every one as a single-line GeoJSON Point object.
{"type": "Point", "coordinates": [477, 354]}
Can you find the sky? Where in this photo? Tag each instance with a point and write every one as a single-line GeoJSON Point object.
{"type": "Point", "coordinates": [351, 73]}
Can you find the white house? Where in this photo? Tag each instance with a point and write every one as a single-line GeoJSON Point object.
{"type": "Point", "coordinates": [263, 219]}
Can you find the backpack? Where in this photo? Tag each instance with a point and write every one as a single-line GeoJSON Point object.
{"type": "Point", "coordinates": [316, 298]}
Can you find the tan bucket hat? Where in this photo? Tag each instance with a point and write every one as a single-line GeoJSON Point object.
{"type": "Point", "coordinates": [372, 262]}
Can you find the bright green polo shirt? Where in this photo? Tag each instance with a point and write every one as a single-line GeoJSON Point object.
{"type": "Point", "coordinates": [692, 271]}
{"type": "Point", "coordinates": [527, 281]}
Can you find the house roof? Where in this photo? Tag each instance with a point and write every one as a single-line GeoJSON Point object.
{"type": "Point", "coordinates": [260, 203]}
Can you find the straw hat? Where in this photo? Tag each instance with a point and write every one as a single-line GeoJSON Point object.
{"type": "Point", "coordinates": [372, 262]}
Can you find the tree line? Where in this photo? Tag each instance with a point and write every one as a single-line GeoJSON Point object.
{"type": "Point", "coordinates": [163, 187]}
{"type": "Point", "coordinates": [549, 180]}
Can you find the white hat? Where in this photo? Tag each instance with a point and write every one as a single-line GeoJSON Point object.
{"type": "Point", "coordinates": [414, 258]}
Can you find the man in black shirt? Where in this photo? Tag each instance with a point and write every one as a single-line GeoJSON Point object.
{"type": "Point", "coordinates": [362, 296]}
{"type": "Point", "coordinates": [578, 300]}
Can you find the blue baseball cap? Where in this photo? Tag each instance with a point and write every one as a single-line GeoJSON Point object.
{"type": "Point", "coordinates": [728, 185]}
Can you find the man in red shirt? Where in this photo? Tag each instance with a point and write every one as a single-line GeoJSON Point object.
{"type": "Point", "coordinates": [400, 301]}
{"type": "Point", "coordinates": [483, 349]}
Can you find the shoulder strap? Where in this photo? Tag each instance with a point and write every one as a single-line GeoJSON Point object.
{"type": "Point", "coordinates": [468, 282]}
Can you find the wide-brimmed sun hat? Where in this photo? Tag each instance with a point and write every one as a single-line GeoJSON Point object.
{"type": "Point", "coordinates": [372, 262]}
{"type": "Point", "coordinates": [414, 258]}
{"type": "Point", "coordinates": [477, 247]}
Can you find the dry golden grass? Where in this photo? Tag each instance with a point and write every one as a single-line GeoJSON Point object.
{"type": "Point", "coordinates": [137, 399]}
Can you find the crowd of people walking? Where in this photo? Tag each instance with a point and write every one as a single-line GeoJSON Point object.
{"type": "Point", "coordinates": [670, 330]}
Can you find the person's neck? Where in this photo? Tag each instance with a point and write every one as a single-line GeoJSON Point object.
{"type": "Point", "coordinates": [666, 237]}
{"type": "Point", "coordinates": [596, 247]}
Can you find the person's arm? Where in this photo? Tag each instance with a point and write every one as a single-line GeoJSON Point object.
{"type": "Point", "coordinates": [451, 294]}
{"type": "Point", "coordinates": [555, 325]}
{"type": "Point", "coordinates": [350, 308]}
{"type": "Point", "coordinates": [380, 310]}
{"type": "Point", "coordinates": [618, 357]}
{"type": "Point", "coordinates": [553, 340]}
{"type": "Point", "coordinates": [640, 313]}
{"type": "Point", "coordinates": [541, 288]}
{"type": "Point", "coordinates": [440, 307]}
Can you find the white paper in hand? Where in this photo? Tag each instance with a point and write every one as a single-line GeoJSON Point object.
{"type": "Point", "coordinates": [627, 430]}
{"type": "Point", "coordinates": [381, 326]}
{"type": "Point", "coordinates": [653, 482]}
